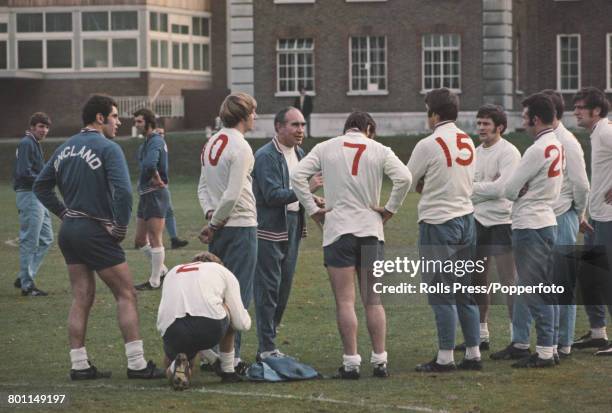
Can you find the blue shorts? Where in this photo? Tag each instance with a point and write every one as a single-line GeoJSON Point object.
{"type": "Point", "coordinates": [352, 251]}
{"type": "Point", "coordinates": [86, 241]}
{"type": "Point", "coordinates": [154, 204]}
{"type": "Point", "coordinates": [191, 334]}
{"type": "Point", "coordinates": [493, 240]}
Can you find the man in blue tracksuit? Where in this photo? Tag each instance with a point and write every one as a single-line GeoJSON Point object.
{"type": "Point", "coordinates": [35, 231]}
{"type": "Point", "coordinates": [281, 224]}
{"type": "Point", "coordinates": [154, 197]}
{"type": "Point", "coordinates": [91, 174]}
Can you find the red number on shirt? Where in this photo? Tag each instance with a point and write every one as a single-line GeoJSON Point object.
{"type": "Point", "coordinates": [552, 171]}
{"type": "Point", "coordinates": [360, 148]}
{"type": "Point", "coordinates": [222, 143]}
{"type": "Point", "coordinates": [187, 268]}
{"type": "Point", "coordinates": [460, 146]}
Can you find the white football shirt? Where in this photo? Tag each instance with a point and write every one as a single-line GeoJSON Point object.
{"type": "Point", "coordinates": [601, 171]}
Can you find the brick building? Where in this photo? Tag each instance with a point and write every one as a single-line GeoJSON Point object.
{"type": "Point", "coordinates": [383, 55]}
{"type": "Point", "coordinates": [54, 54]}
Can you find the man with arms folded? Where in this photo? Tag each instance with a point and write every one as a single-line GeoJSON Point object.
{"type": "Point", "coordinates": [534, 187]}
{"type": "Point", "coordinates": [496, 159]}
{"type": "Point", "coordinates": [591, 110]}
{"type": "Point", "coordinates": [442, 166]}
{"type": "Point", "coordinates": [226, 197]}
{"type": "Point", "coordinates": [200, 307]}
{"type": "Point", "coordinates": [353, 166]}
{"type": "Point", "coordinates": [91, 174]}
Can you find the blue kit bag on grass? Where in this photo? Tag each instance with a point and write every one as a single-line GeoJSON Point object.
{"type": "Point", "coordinates": [275, 369]}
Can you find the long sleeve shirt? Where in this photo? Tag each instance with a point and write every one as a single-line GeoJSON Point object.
{"type": "Point", "coordinates": [494, 165]}
{"type": "Point", "coordinates": [445, 160]}
{"type": "Point", "coordinates": [226, 185]}
{"type": "Point", "coordinates": [541, 169]}
{"type": "Point", "coordinates": [601, 171]}
{"type": "Point", "coordinates": [29, 162]}
{"type": "Point", "coordinates": [152, 157]}
{"type": "Point", "coordinates": [200, 289]}
{"type": "Point", "coordinates": [575, 187]}
{"type": "Point", "coordinates": [92, 176]}
{"type": "Point", "coordinates": [353, 167]}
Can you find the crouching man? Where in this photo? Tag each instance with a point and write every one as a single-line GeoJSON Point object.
{"type": "Point", "coordinates": [200, 308]}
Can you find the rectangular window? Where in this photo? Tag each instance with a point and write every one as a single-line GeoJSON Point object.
{"type": "Point", "coordinates": [125, 53]}
{"type": "Point", "coordinates": [368, 64]}
{"type": "Point", "coordinates": [59, 54]}
{"type": "Point", "coordinates": [95, 21]}
{"type": "Point", "coordinates": [3, 27]}
{"type": "Point", "coordinates": [441, 61]}
{"type": "Point", "coordinates": [185, 56]}
{"type": "Point", "coordinates": [163, 22]}
{"type": "Point", "coordinates": [58, 22]}
{"type": "Point", "coordinates": [176, 55]}
{"type": "Point", "coordinates": [180, 29]}
{"type": "Point", "coordinates": [95, 53]}
{"type": "Point", "coordinates": [200, 58]}
{"type": "Point", "coordinates": [29, 22]}
{"type": "Point", "coordinates": [124, 20]}
{"type": "Point", "coordinates": [154, 21]}
{"type": "Point", "coordinates": [154, 53]}
{"type": "Point", "coordinates": [3, 59]}
{"type": "Point", "coordinates": [200, 26]}
{"type": "Point", "coordinates": [30, 54]}
{"type": "Point", "coordinates": [295, 64]}
{"type": "Point", "coordinates": [163, 53]}
{"type": "Point", "coordinates": [568, 62]}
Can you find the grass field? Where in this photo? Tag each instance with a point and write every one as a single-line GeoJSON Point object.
{"type": "Point", "coordinates": [33, 342]}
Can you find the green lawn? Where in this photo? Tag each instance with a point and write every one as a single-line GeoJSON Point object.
{"type": "Point", "coordinates": [33, 341]}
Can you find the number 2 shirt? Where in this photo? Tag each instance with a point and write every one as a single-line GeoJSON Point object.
{"type": "Point", "coordinates": [353, 167]}
{"type": "Point", "coordinates": [541, 169]}
{"type": "Point", "coordinates": [446, 161]}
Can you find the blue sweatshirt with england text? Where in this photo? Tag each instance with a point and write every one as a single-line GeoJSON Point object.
{"type": "Point", "coordinates": [29, 162]}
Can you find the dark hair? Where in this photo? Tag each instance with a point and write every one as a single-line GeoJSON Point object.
{"type": "Point", "coordinates": [557, 101]}
{"type": "Point", "coordinates": [148, 116]}
{"type": "Point", "coordinates": [494, 112]}
{"type": "Point", "coordinates": [40, 117]}
{"type": "Point", "coordinates": [593, 98]}
{"type": "Point", "coordinates": [102, 104]}
{"type": "Point", "coordinates": [360, 120]}
{"type": "Point", "coordinates": [236, 108]}
{"type": "Point", "coordinates": [540, 105]}
{"type": "Point", "coordinates": [443, 102]}
{"type": "Point", "coordinates": [281, 116]}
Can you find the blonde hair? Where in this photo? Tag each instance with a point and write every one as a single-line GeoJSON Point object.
{"type": "Point", "coordinates": [236, 108]}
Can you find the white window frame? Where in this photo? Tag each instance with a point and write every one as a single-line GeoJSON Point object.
{"type": "Point", "coordinates": [296, 92]}
{"type": "Point", "coordinates": [559, 36]}
{"type": "Point", "coordinates": [294, 1]}
{"type": "Point", "coordinates": [359, 92]}
{"type": "Point", "coordinates": [441, 49]}
{"type": "Point", "coordinates": [609, 63]}
{"type": "Point", "coordinates": [4, 38]}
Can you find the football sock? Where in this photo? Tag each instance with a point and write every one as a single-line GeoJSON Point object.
{"type": "Point", "coordinates": [351, 362]}
{"type": "Point", "coordinates": [135, 355]}
{"type": "Point", "coordinates": [544, 352]}
{"type": "Point", "coordinates": [521, 346]}
{"type": "Point", "coordinates": [237, 360]}
{"type": "Point", "coordinates": [555, 349]}
{"type": "Point", "coordinates": [484, 332]}
{"type": "Point", "coordinates": [378, 358]}
{"type": "Point", "coordinates": [445, 357]}
{"type": "Point", "coordinates": [209, 356]}
{"type": "Point", "coordinates": [472, 353]}
{"type": "Point", "coordinates": [599, 333]}
{"type": "Point", "coordinates": [227, 361]}
{"type": "Point", "coordinates": [157, 265]}
{"type": "Point", "coordinates": [565, 349]}
{"type": "Point", "coordinates": [78, 358]}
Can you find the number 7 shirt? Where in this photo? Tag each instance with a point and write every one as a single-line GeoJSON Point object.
{"type": "Point", "coordinates": [353, 167]}
{"type": "Point", "coordinates": [446, 161]}
{"type": "Point", "coordinates": [541, 169]}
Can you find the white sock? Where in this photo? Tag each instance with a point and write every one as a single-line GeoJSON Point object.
{"type": "Point", "coordinates": [78, 358]}
{"type": "Point", "coordinates": [484, 332]}
{"type": "Point", "coordinates": [521, 346]}
{"type": "Point", "coordinates": [556, 349]}
{"type": "Point", "coordinates": [565, 349]}
{"type": "Point", "coordinates": [237, 360]}
{"type": "Point", "coordinates": [135, 355]}
{"type": "Point", "coordinates": [445, 357]}
{"type": "Point", "coordinates": [599, 333]}
{"type": "Point", "coordinates": [171, 367]}
{"type": "Point", "coordinates": [209, 356]}
{"type": "Point", "coordinates": [227, 361]}
{"type": "Point", "coordinates": [146, 250]}
{"type": "Point", "coordinates": [157, 263]}
{"type": "Point", "coordinates": [472, 353]}
{"type": "Point", "coordinates": [378, 358]}
{"type": "Point", "coordinates": [351, 362]}
{"type": "Point", "coordinates": [545, 353]}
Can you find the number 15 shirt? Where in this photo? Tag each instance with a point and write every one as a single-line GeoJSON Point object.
{"type": "Point", "coordinates": [353, 167]}
{"type": "Point", "coordinates": [541, 169]}
{"type": "Point", "coordinates": [445, 160]}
